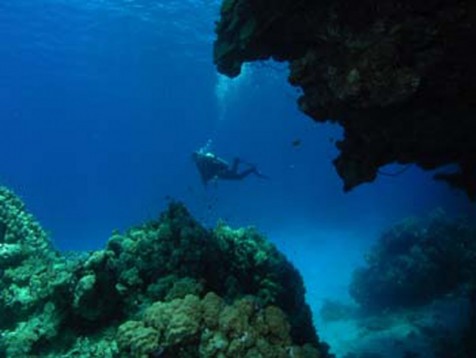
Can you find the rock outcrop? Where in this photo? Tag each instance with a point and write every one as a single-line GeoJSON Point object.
{"type": "Point", "coordinates": [397, 75]}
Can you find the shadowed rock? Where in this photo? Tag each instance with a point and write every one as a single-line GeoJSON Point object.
{"type": "Point", "coordinates": [397, 75]}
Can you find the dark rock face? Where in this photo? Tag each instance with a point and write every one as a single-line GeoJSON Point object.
{"type": "Point", "coordinates": [397, 75]}
{"type": "Point", "coordinates": [416, 262]}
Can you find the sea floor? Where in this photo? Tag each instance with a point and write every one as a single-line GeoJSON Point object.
{"type": "Point", "coordinates": [326, 261]}
{"type": "Point", "coordinates": [420, 332]}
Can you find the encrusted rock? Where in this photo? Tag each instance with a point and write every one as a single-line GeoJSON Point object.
{"type": "Point", "coordinates": [397, 75]}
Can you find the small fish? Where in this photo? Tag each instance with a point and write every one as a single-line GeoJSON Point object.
{"type": "Point", "coordinates": [296, 143]}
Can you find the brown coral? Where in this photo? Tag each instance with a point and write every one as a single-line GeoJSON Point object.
{"type": "Point", "coordinates": [209, 328]}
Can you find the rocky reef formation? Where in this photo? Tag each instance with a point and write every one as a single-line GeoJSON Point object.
{"type": "Point", "coordinates": [29, 280]}
{"type": "Point", "coordinates": [168, 288]}
{"type": "Point", "coordinates": [210, 328]}
{"type": "Point", "coordinates": [420, 277]}
{"type": "Point", "coordinates": [397, 75]}
{"type": "Point", "coordinates": [417, 261]}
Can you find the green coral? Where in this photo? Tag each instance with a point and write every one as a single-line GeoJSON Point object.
{"type": "Point", "coordinates": [136, 340]}
{"type": "Point", "coordinates": [96, 346]}
{"type": "Point", "coordinates": [31, 272]}
{"type": "Point", "coordinates": [20, 341]}
{"type": "Point", "coordinates": [20, 228]}
{"type": "Point", "coordinates": [190, 327]}
{"type": "Point", "coordinates": [148, 290]}
{"type": "Point", "coordinates": [171, 287]}
{"type": "Point", "coordinates": [175, 256]}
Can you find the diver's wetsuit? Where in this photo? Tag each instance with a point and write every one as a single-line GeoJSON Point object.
{"type": "Point", "coordinates": [212, 167]}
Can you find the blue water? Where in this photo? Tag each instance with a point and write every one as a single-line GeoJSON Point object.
{"type": "Point", "coordinates": [102, 102]}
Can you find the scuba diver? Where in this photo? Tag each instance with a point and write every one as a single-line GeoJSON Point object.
{"type": "Point", "coordinates": [212, 167]}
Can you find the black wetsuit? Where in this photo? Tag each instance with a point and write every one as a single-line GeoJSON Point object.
{"type": "Point", "coordinates": [212, 167]}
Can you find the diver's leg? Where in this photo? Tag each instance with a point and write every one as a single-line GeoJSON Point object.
{"type": "Point", "coordinates": [234, 166]}
{"type": "Point", "coordinates": [245, 173]}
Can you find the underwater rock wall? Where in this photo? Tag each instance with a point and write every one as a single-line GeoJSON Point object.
{"type": "Point", "coordinates": [418, 289]}
{"type": "Point", "coordinates": [416, 262]}
{"type": "Point", "coordinates": [167, 288]}
{"type": "Point", "coordinates": [397, 75]}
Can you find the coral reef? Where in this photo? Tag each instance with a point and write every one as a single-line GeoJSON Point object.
{"type": "Point", "coordinates": [190, 327]}
{"type": "Point", "coordinates": [397, 75]}
{"type": "Point", "coordinates": [165, 288]}
{"type": "Point", "coordinates": [31, 275]}
{"type": "Point", "coordinates": [416, 295]}
{"type": "Point", "coordinates": [416, 262]}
